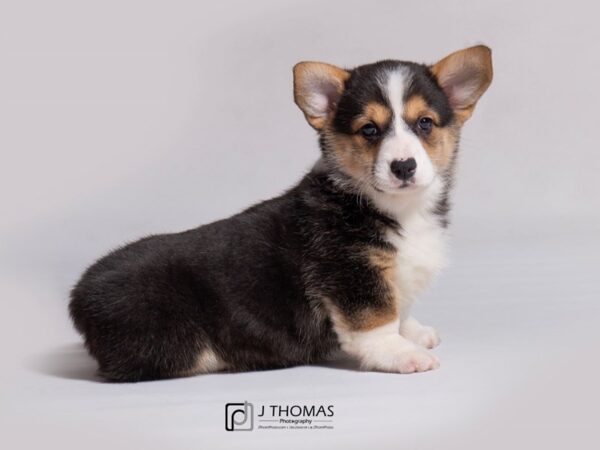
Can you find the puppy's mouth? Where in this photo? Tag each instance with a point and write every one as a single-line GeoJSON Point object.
{"type": "Point", "coordinates": [396, 186]}
{"type": "Point", "coordinates": [406, 184]}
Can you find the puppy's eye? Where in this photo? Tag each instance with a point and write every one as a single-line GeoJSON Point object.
{"type": "Point", "coordinates": [425, 124]}
{"type": "Point", "coordinates": [369, 130]}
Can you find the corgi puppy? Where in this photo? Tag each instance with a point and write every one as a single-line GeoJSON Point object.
{"type": "Point", "coordinates": [333, 263]}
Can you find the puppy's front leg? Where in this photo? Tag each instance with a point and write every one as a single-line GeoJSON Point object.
{"type": "Point", "coordinates": [382, 348]}
{"type": "Point", "coordinates": [420, 334]}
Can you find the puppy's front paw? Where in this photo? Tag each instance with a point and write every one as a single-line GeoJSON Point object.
{"type": "Point", "coordinates": [416, 360]}
{"type": "Point", "coordinates": [384, 349]}
{"type": "Point", "coordinates": [421, 335]}
{"type": "Point", "coordinates": [427, 337]}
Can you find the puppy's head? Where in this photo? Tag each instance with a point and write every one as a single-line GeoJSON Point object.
{"type": "Point", "coordinates": [392, 126]}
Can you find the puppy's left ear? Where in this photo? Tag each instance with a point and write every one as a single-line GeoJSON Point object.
{"type": "Point", "coordinates": [464, 76]}
{"type": "Point", "coordinates": [317, 90]}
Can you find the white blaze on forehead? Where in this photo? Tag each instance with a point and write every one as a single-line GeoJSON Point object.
{"type": "Point", "coordinates": [394, 88]}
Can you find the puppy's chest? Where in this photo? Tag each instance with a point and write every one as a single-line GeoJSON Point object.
{"type": "Point", "coordinates": [420, 254]}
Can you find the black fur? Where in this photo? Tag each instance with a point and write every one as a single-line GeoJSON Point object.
{"type": "Point", "coordinates": [238, 286]}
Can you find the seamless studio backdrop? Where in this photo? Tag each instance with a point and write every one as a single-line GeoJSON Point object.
{"type": "Point", "coordinates": [124, 118]}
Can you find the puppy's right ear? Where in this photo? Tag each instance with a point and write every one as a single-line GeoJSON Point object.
{"type": "Point", "coordinates": [317, 90]}
{"type": "Point", "coordinates": [464, 76]}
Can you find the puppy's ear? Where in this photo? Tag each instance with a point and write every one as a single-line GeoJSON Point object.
{"type": "Point", "coordinates": [317, 90]}
{"type": "Point", "coordinates": [464, 76]}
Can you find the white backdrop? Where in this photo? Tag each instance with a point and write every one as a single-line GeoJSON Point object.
{"type": "Point", "coordinates": [123, 118]}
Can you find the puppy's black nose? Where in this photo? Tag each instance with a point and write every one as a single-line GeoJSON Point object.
{"type": "Point", "coordinates": [404, 169]}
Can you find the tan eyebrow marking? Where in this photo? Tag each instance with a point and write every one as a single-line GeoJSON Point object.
{"type": "Point", "coordinates": [373, 112]}
{"type": "Point", "coordinates": [416, 107]}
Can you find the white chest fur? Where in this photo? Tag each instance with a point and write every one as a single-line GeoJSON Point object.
{"type": "Point", "coordinates": [421, 254]}
{"type": "Point", "coordinates": [420, 241]}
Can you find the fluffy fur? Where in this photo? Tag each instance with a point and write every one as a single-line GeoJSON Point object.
{"type": "Point", "coordinates": [333, 263]}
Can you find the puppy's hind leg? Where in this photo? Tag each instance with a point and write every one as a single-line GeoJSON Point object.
{"type": "Point", "coordinates": [208, 361]}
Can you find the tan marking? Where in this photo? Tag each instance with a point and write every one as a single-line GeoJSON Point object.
{"type": "Point", "coordinates": [441, 145]}
{"type": "Point", "coordinates": [442, 141]}
{"type": "Point", "coordinates": [367, 320]}
{"type": "Point", "coordinates": [383, 261]}
{"type": "Point", "coordinates": [353, 154]}
{"type": "Point", "coordinates": [374, 112]}
{"type": "Point", "coordinates": [385, 311]}
{"type": "Point", "coordinates": [374, 318]}
{"type": "Point", "coordinates": [416, 107]}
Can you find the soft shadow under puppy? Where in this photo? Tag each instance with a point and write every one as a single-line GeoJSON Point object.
{"type": "Point", "coordinates": [74, 362]}
{"type": "Point", "coordinates": [67, 361]}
